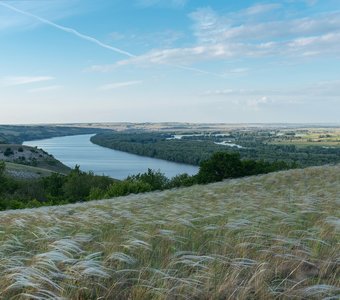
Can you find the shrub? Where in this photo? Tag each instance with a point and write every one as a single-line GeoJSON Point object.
{"type": "Point", "coordinates": [8, 152]}
{"type": "Point", "coordinates": [126, 187]}
{"type": "Point", "coordinates": [155, 179]}
{"type": "Point", "coordinates": [182, 180]}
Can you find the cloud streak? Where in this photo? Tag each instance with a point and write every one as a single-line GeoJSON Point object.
{"type": "Point", "coordinates": [68, 30]}
{"type": "Point", "coordinates": [22, 80]}
{"type": "Point", "coordinates": [45, 89]}
{"type": "Point", "coordinates": [117, 85]}
{"type": "Point", "coordinates": [166, 3]}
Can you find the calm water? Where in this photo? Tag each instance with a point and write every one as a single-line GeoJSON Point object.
{"type": "Point", "coordinates": [78, 150]}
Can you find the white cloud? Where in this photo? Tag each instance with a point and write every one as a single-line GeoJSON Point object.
{"type": "Point", "coordinates": [307, 2]}
{"type": "Point", "coordinates": [327, 88]}
{"type": "Point", "coordinates": [209, 27]}
{"type": "Point", "coordinates": [218, 92]}
{"type": "Point", "coordinates": [45, 89]}
{"type": "Point", "coordinates": [164, 3]}
{"type": "Point", "coordinates": [326, 93]}
{"type": "Point", "coordinates": [221, 37]}
{"type": "Point", "coordinates": [21, 80]}
{"type": "Point", "coordinates": [255, 103]}
{"type": "Point", "coordinates": [258, 9]}
{"type": "Point", "coordinates": [117, 85]}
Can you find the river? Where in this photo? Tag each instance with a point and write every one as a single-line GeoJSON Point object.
{"type": "Point", "coordinates": [78, 150]}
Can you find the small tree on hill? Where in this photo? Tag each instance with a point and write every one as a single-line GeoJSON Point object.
{"type": "Point", "coordinates": [221, 165]}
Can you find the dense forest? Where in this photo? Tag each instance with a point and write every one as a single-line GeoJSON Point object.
{"type": "Point", "coordinates": [82, 186]}
{"type": "Point", "coordinates": [195, 149]}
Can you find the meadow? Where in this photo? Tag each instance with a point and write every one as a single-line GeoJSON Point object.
{"type": "Point", "coordinates": [273, 236]}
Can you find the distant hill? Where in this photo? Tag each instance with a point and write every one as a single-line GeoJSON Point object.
{"type": "Point", "coordinates": [17, 134]}
{"type": "Point", "coordinates": [25, 158]}
{"type": "Point", "coordinates": [273, 236]}
{"type": "Point", "coordinates": [27, 162]}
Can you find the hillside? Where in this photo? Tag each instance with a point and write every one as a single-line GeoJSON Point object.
{"type": "Point", "coordinates": [274, 236]}
{"type": "Point", "coordinates": [24, 157]}
{"type": "Point", "coordinates": [20, 171]}
{"type": "Point", "coordinates": [17, 134]}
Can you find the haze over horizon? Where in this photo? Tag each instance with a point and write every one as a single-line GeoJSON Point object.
{"type": "Point", "coordinates": [177, 60]}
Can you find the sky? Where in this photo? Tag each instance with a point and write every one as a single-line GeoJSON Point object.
{"type": "Point", "coordinates": [226, 61]}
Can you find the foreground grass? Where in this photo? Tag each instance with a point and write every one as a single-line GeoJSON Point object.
{"type": "Point", "coordinates": [274, 236]}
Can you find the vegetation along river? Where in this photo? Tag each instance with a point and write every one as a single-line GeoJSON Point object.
{"type": "Point", "coordinates": [78, 150]}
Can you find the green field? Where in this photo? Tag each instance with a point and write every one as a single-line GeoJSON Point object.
{"type": "Point", "coordinates": [304, 137]}
{"type": "Point", "coordinates": [273, 236]}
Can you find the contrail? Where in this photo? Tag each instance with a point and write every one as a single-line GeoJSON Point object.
{"type": "Point", "coordinates": [69, 30]}
{"type": "Point", "coordinates": [95, 41]}
{"type": "Point", "coordinates": [197, 70]}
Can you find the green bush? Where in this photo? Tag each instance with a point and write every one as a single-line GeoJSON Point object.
{"type": "Point", "coordinates": [8, 152]}
{"type": "Point", "coordinates": [127, 187]}
{"type": "Point", "coordinates": [182, 180]}
{"type": "Point", "coordinates": [155, 179]}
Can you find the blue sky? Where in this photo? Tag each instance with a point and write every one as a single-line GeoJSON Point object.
{"type": "Point", "coordinates": [169, 60]}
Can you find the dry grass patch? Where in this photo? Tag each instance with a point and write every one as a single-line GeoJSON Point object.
{"type": "Point", "coordinates": [274, 236]}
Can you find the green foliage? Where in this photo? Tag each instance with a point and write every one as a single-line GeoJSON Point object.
{"type": "Point", "coordinates": [8, 152]}
{"type": "Point", "coordinates": [229, 165]}
{"type": "Point", "coordinates": [256, 145]}
{"type": "Point", "coordinates": [2, 168]}
{"type": "Point", "coordinates": [53, 185]}
{"type": "Point", "coordinates": [2, 177]}
{"type": "Point", "coordinates": [127, 187]}
{"type": "Point", "coordinates": [155, 179]}
{"type": "Point", "coordinates": [221, 165]}
{"type": "Point", "coordinates": [78, 185]}
{"type": "Point", "coordinates": [54, 189]}
{"type": "Point", "coordinates": [182, 180]}
{"type": "Point", "coordinates": [156, 145]}
{"type": "Point", "coordinates": [83, 186]}
{"type": "Point", "coordinates": [96, 193]}
{"type": "Point", "coordinates": [140, 183]}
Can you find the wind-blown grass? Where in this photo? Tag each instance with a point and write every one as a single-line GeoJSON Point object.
{"type": "Point", "coordinates": [274, 236]}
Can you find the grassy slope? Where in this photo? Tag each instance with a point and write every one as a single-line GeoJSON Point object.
{"type": "Point", "coordinates": [25, 172]}
{"type": "Point", "coordinates": [264, 237]}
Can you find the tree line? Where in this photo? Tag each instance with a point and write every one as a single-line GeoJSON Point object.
{"type": "Point", "coordinates": [58, 189]}
{"type": "Point", "coordinates": [194, 150]}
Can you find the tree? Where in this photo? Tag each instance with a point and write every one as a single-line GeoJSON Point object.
{"type": "Point", "coordinates": [2, 168]}
{"type": "Point", "coordinates": [221, 165]}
